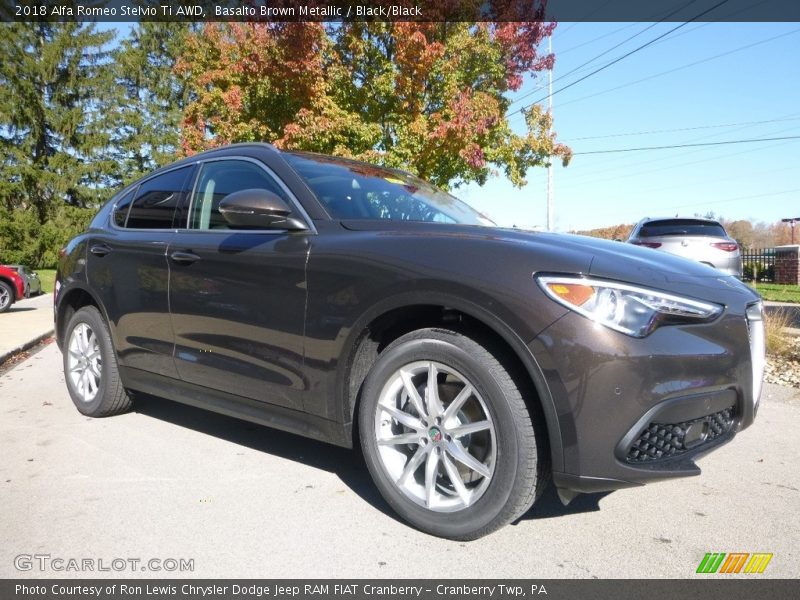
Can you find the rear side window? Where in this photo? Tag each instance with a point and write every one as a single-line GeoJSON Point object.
{"type": "Point", "coordinates": [121, 209]}
{"type": "Point", "coordinates": [156, 200]}
{"type": "Point", "coordinates": [217, 179]}
{"type": "Point", "coordinates": [682, 227]}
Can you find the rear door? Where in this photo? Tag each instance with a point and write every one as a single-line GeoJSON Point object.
{"type": "Point", "coordinates": [238, 296]}
{"type": "Point", "coordinates": [127, 267]}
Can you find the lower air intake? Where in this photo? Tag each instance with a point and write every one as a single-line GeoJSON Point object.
{"type": "Point", "coordinates": [660, 441]}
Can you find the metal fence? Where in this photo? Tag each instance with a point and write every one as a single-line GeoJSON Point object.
{"type": "Point", "coordinates": [758, 264]}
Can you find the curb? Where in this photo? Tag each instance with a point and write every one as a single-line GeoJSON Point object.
{"type": "Point", "coordinates": [29, 344]}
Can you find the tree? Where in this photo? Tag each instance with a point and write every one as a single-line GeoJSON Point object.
{"type": "Point", "coordinates": [151, 98]}
{"type": "Point", "coordinates": [54, 85]}
{"type": "Point", "coordinates": [427, 97]}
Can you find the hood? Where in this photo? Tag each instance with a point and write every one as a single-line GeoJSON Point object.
{"type": "Point", "coordinates": [606, 259]}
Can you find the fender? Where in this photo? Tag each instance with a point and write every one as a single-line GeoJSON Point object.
{"type": "Point", "coordinates": [477, 312]}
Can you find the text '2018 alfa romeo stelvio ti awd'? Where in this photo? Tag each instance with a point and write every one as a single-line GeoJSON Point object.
{"type": "Point", "coordinates": [360, 305]}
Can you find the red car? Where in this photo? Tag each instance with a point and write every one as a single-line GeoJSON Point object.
{"type": "Point", "coordinates": [12, 288]}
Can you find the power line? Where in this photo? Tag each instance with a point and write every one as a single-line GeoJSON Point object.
{"type": "Point", "coordinates": [519, 113]}
{"type": "Point", "coordinates": [599, 37]}
{"type": "Point", "coordinates": [578, 182]}
{"type": "Point", "coordinates": [654, 131]}
{"type": "Point", "coordinates": [591, 14]}
{"type": "Point", "coordinates": [580, 67]}
{"type": "Point", "coordinates": [737, 198]}
{"type": "Point", "coordinates": [613, 150]}
{"type": "Point", "coordinates": [686, 66]}
{"type": "Point", "coordinates": [703, 204]}
{"type": "Point", "coordinates": [626, 55]}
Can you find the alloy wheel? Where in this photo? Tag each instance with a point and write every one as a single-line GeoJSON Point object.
{"type": "Point", "coordinates": [435, 436]}
{"type": "Point", "coordinates": [84, 362]}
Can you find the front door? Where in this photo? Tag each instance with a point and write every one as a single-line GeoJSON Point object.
{"type": "Point", "coordinates": [237, 297]}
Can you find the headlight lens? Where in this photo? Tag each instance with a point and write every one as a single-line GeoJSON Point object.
{"type": "Point", "coordinates": [632, 310]}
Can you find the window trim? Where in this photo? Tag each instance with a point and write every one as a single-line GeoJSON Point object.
{"type": "Point", "coordinates": [121, 196]}
{"type": "Point", "coordinates": [136, 187]}
{"type": "Point", "coordinates": [293, 201]}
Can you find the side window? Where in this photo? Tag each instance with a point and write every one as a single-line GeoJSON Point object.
{"type": "Point", "coordinates": [217, 179]}
{"type": "Point", "coordinates": [157, 199]}
{"type": "Point", "coordinates": [121, 209]}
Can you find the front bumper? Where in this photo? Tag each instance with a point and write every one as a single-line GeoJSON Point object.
{"type": "Point", "coordinates": [637, 410]}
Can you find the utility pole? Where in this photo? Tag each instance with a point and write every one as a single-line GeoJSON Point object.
{"type": "Point", "coordinates": [550, 165]}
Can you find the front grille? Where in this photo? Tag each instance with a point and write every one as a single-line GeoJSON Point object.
{"type": "Point", "coordinates": [660, 440]}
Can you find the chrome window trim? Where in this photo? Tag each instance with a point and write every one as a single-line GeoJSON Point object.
{"type": "Point", "coordinates": [136, 187]}
{"type": "Point", "coordinates": [294, 202]}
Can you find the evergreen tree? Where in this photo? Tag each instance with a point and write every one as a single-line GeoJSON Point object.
{"type": "Point", "coordinates": [151, 98]}
{"type": "Point", "coordinates": [55, 86]}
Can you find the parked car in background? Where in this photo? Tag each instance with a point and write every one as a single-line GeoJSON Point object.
{"type": "Point", "coordinates": [30, 276]}
{"type": "Point", "coordinates": [13, 287]}
{"type": "Point", "coordinates": [356, 304]}
{"type": "Point", "coordinates": [703, 240]}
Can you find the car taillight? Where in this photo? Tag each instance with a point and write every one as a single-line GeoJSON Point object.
{"type": "Point", "coordinates": [647, 244]}
{"type": "Point", "coordinates": [726, 246]}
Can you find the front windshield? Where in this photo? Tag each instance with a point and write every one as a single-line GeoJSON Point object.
{"type": "Point", "coordinates": [356, 190]}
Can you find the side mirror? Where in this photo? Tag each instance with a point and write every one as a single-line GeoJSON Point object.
{"type": "Point", "coordinates": [258, 208]}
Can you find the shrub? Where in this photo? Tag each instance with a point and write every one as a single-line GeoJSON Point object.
{"type": "Point", "coordinates": [778, 341]}
{"type": "Point", "coordinates": [23, 240]}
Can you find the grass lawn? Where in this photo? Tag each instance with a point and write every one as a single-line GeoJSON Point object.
{"type": "Point", "coordinates": [778, 292]}
{"type": "Point", "coordinates": [48, 277]}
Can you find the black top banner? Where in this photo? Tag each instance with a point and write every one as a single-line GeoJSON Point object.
{"type": "Point", "coordinates": [400, 10]}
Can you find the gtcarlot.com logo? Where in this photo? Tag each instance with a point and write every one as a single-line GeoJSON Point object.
{"type": "Point", "coordinates": [734, 562]}
{"type": "Point", "coordinates": [48, 562]}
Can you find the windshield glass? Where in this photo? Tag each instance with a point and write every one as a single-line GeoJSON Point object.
{"type": "Point", "coordinates": [356, 190]}
{"type": "Point", "coordinates": [682, 227]}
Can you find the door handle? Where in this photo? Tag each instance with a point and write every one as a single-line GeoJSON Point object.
{"type": "Point", "coordinates": [99, 249]}
{"type": "Point", "coordinates": [184, 258]}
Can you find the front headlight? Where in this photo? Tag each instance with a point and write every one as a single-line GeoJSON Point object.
{"type": "Point", "coordinates": [632, 310]}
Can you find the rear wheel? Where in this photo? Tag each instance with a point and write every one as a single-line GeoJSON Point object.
{"type": "Point", "coordinates": [90, 366]}
{"type": "Point", "coordinates": [447, 436]}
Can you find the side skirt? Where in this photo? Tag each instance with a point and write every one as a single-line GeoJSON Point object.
{"type": "Point", "coordinates": [247, 409]}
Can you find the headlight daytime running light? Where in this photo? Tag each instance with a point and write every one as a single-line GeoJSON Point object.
{"type": "Point", "coordinates": [629, 309]}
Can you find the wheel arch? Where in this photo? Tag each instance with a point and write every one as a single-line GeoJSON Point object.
{"type": "Point", "coordinates": [8, 281]}
{"type": "Point", "coordinates": [401, 314]}
{"type": "Point", "coordinates": [69, 302]}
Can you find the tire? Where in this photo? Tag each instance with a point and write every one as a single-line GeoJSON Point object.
{"type": "Point", "coordinates": [6, 296]}
{"type": "Point", "coordinates": [90, 366]}
{"type": "Point", "coordinates": [410, 466]}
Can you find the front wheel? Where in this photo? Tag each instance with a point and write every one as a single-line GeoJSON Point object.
{"type": "Point", "coordinates": [447, 437]}
{"type": "Point", "coordinates": [90, 366]}
{"type": "Point", "coordinates": [6, 296]}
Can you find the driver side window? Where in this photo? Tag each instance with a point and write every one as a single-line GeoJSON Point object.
{"type": "Point", "coordinates": [219, 178]}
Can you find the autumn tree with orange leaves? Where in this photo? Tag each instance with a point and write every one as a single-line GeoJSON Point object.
{"type": "Point", "coordinates": [427, 97]}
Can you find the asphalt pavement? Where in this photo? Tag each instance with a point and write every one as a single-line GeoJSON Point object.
{"type": "Point", "coordinates": [172, 482]}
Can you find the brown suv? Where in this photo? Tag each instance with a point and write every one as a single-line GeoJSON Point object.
{"type": "Point", "coordinates": [360, 305]}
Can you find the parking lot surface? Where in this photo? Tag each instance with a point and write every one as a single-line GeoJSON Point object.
{"type": "Point", "coordinates": [172, 482]}
{"type": "Point", "coordinates": [25, 323]}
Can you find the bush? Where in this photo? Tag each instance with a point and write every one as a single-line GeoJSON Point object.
{"type": "Point", "coordinates": [23, 240]}
{"type": "Point", "coordinates": [765, 273]}
{"type": "Point", "coordinates": [778, 341]}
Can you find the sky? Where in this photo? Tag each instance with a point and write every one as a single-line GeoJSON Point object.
{"type": "Point", "coordinates": [717, 100]}
{"type": "Point", "coordinates": [716, 82]}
